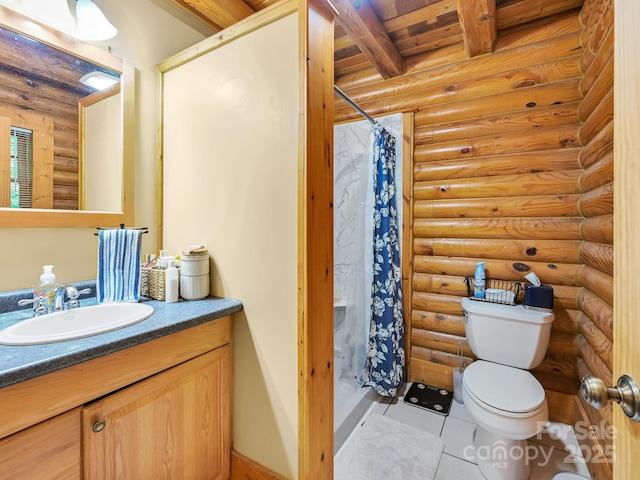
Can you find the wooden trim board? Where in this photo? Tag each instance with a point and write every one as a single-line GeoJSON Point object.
{"type": "Point", "coordinates": [243, 468]}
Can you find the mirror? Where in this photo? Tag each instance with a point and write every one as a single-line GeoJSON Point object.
{"type": "Point", "coordinates": [77, 147]}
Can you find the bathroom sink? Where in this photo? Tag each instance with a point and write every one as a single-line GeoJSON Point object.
{"type": "Point", "coordinates": [75, 323]}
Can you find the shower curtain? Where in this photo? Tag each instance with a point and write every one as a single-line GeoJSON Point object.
{"type": "Point", "coordinates": [353, 241]}
{"type": "Point", "coordinates": [355, 207]}
{"type": "Point", "coordinates": [384, 369]}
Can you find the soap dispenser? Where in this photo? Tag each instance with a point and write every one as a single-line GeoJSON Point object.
{"type": "Point", "coordinates": [47, 286]}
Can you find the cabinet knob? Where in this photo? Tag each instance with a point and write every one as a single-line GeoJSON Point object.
{"type": "Point", "coordinates": [99, 425]}
{"type": "Point", "coordinates": [626, 393]}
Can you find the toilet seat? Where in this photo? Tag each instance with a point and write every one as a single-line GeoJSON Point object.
{"type": "Point", "coordinates": [506, 413]}
{"type": "Point", "coordinates": [496, 385]}
{"type": "Point", "coordinates": [504, 390]}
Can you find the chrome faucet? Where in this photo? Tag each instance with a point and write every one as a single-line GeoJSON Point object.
{"type": "Point", "coordinates": [69, 292]}
{"type": "Point", "coordinates": [39, 308]}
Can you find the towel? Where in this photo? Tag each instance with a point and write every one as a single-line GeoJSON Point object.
{"type": "Point", "coordinates": [118, 265]}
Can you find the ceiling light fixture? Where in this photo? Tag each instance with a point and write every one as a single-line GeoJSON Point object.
{"type": "Point", "coordinates": [52, 12]}
{"type": "Point", "coordinates": [92, 24]}
{"type": "Point", "coordinates": [99, 80]}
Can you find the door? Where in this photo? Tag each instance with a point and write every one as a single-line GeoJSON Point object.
{"type": "Point", "coordinates": [49, 450]}
{"type": "Point", "coordinates": [626, 350]}
{"type": "Point", "coordinates": [175, 424]}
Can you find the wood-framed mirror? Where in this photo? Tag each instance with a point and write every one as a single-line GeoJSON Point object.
{"type": "Point", "coordinates": [80, 163]}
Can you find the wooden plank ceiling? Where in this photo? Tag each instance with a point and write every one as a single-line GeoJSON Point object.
{"type": "Point", "coordinates": [387, 34]}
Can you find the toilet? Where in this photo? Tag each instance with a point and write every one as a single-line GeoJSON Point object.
{"type": "Point", "coordinates": [502, 396]}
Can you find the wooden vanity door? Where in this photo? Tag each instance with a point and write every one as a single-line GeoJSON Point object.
{"type": "Point", "coordinates": [173, 425]}
{"type": "Point", "coordinates": [49, 450]}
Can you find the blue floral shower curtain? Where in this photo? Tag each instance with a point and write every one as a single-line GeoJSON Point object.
{"type": "Point", "coordinates": [384, 369]}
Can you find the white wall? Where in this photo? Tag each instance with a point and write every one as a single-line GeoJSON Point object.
{"type": "Point", "coordinates": [231, 183]}
{"type": "Point", "coordinates": [102, 159]}
{"type": "Point", "coordinates": [147, 35]}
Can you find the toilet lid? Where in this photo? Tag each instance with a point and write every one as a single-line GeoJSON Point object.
{"type": "Point", "coordinates": [505, 388]}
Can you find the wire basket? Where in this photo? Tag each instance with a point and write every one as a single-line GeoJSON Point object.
{"type": "Point", "coordinates": [495, 291]}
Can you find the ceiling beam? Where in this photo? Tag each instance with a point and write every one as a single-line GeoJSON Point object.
{"type": "Point", "coordinates": [361, 23]}
{"type": "Point", "coordinates": [478, 24]}
{"type": "Point", "coordinates": [218, 14]}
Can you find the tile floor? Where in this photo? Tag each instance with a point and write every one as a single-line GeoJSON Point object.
{"type": "Point", "coordinates": [549, 453]}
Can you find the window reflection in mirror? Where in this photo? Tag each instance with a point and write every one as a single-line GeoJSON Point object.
{"type": "Point", "coordinates": [60, 137]}
{"type": "Point", "coordinates": [21, 157]}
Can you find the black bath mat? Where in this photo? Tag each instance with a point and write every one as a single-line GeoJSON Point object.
{"type": "Point", "coordinates": [434, 399]}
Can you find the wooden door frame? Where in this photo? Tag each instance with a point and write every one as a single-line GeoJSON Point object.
{"type": "Point", "coordinates": [626, 306]}
{"type": "Point", "coordinates": [315, 244]}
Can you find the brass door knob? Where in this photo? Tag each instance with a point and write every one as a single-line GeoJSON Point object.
{"type": "Point", "coordinates": [626, 393]}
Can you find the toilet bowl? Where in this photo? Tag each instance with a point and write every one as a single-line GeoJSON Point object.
{"type": "Point", "coordinates": [509, 406]}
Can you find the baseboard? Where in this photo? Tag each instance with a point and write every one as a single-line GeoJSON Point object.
{"type": "Point", "coordinates": [243, 468]}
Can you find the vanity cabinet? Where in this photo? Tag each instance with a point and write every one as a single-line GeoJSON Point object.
{"type": "Point", "coordinates": [157, 410]}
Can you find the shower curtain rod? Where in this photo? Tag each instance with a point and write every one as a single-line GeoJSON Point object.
{"type": "Point", "coordinates": [355, 106]}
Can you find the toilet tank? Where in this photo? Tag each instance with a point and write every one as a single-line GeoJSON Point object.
{"type": "Point", "coordinates": [507, 334]}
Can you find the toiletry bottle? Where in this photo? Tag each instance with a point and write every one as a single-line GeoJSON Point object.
{"type": "Point", "coordinates": [479, 281]}
{"type": "Point", "coordinates": [171, 282]}
{"type": "Point", "coordinates": [47, 286]}
{"type": "Point", "coordinates": [163, 260]}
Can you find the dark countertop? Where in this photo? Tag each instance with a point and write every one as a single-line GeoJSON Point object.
{"type": "Point", "coordinates": [20, 363]}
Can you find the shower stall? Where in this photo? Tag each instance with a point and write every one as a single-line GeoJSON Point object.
{"type": "Point", "coordinates": [353, 257]}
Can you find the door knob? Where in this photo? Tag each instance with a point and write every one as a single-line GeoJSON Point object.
{"type": "Point", "coordinates": [626, 393]}
{"type": "Point", "coordinates": [99, 425]}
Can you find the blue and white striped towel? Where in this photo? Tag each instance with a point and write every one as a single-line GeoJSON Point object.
{"type": "Point", "coordinates": [118, 265]}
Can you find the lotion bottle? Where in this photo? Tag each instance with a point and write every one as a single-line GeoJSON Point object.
{"type": "Point", "coordinates": [47, 286]}
{"type": "Point", "coordinates": [171, 282]}
{"type": "Point", "coordinates": [479, 281]}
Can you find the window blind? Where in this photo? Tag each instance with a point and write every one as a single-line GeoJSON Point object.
{"type": "Point", "coordinates": [21, 167]}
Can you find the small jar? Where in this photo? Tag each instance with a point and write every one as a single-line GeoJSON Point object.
{"type": "Point", "coordinates": [194, 276]}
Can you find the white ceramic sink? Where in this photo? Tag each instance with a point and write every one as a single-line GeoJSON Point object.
{"type": "Point", "coordinates": [75, 323]}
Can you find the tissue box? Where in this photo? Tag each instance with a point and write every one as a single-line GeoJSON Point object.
{"type": "Point", "coordinates": [538, 297]}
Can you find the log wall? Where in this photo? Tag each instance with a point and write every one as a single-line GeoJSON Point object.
{"type": "Point", "coordinates": [496, 178]}
{"type": "Point", "coordinates": [595, 322]}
